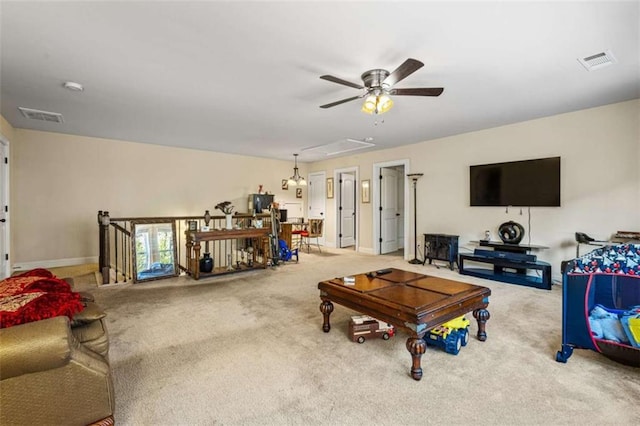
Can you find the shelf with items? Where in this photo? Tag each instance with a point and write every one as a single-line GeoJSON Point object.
{"type": "Point", "coordinates": [510, 264]}
{"type": "Point", "coordinates": [232, 250]}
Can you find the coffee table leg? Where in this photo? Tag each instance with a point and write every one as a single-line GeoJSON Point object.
{"type": "Point", "coordinates": [416, 347]}
{"type": "Point", "coordinates": [482, 315]}
{"type": "Point", "coordinates": [326, 307]}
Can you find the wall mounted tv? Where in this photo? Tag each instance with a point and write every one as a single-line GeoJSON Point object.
{"type": "Point", "coordinates": [516, 183]}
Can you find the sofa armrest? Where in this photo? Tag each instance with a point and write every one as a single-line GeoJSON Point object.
{"type": "Point", "coordinates": [35, 346]}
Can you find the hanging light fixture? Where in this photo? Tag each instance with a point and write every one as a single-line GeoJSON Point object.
{"type": "Point", "coordinates": [377, 102]}
{"type": "Point", "coordinates": [296, 179]}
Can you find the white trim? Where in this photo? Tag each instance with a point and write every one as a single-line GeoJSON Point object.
{"type": "Point", "coordinates": [367, 250]}
{"type": "Point", "coordinates": [375, 205]}
{"type": "Point", "coordinates": [336, 204]}
{"type": "Point", "coordinates": [56, 263]}
{"type": "Point", "coordinates": [7, 225]}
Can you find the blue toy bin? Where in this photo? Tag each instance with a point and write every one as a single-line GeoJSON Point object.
{"type": "Point", "coordinates": [616, 291]}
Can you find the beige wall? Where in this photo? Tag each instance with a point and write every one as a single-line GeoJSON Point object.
{"type": "Point", "coordinates": [61, 181]}
{"type": "Point", "coordinates": [600, 176]}
{"type": "Point", "coordinates": [6, 129]}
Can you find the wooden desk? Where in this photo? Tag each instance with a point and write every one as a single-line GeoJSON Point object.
{"type": "Point", "coordinates": [259, 238]}
{"type": "Point", "coordinates": [413, 302]}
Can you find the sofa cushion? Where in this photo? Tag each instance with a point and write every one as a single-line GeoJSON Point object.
{"type": "Point", "coordinates": [91, 312]}
{"type": "Point", "coordinates": [93, 336]}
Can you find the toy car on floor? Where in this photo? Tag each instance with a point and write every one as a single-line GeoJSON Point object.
{"type": "Point", "coordinates": [363, 326]}
{"type": "Point", "coordinates": [451, 336]}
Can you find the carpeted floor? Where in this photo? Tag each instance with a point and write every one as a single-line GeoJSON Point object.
{"type": "Point", "coordinates": [249, 349]}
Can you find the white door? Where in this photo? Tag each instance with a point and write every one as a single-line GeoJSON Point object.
{"type": "Point", "coordinates": [347, 210]}
{"type": "Point", "coordinates": [316, 199]}
{"type": "Point", "coordinates": [389, 210]}
{"type": "Point", "coordinates": [401, 206]}
{"type": "Point", "coordinates": [4, 202]}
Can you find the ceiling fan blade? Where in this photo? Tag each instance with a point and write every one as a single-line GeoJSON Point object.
{"type": "Point", "coordinates": [422, 91]}
{"type": "Point", "coordinates": [332, 104]}
{"type": "Point", "coordinates": [407, 68]}
{"type": "Point", "coordinates": [341, 81]}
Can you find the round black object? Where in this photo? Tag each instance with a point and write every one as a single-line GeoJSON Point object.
{"type": "Point", "coordinates": [511, 232]}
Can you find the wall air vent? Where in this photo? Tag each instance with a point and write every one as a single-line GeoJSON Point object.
{"type": "Point", "coordinates": [35, 114]}
{"type": "Point", "coordinates": [597, 61]}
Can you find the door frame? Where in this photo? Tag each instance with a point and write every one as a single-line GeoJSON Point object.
{"type": "Point", "coordinates": [336, 205]}
{"type": "Point", "coordinates": [6, 175]}
{"type": "Point", "coordinates": [376, 203]}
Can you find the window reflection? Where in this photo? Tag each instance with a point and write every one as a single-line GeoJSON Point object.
{"type": "Point", "coordinates": [154, 250]}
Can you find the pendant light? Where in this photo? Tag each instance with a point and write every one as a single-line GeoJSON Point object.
{"type": "Point", "coordinates": [296, 179]}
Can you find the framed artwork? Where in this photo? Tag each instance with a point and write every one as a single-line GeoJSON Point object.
{"type": "Point", "coordinates": [329, 187]}
{"type": "Point", "coordinates": [298, 192]}
{"type": "Point", "coordinates": [366, 193]}
{"type": "Point", "coordinates": [285, 184]}
{"type": "Point", "coordinates": [193, 225]}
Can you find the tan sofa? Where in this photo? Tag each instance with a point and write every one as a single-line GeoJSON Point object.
{"type": "Point", "coordinates": [56, 371]}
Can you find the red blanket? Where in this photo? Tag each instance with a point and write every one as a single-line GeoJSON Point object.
{"type": "Point", "coordinates": [36, 295]}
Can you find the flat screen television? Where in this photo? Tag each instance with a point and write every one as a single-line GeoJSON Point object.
{"type": "Point", "coordinates": [528, 183]}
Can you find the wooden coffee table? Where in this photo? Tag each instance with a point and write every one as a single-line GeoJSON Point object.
{"type": "Point", "coordinates": [413, 302]}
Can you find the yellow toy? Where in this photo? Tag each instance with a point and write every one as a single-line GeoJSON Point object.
{"type": "Point", "coordinates": [450, 336]}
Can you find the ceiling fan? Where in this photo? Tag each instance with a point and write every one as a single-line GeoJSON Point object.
{"type": "Point", "coordinates": [378, 85]}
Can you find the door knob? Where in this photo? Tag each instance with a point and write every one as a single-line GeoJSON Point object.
{"type": "Point", "coordinates": [3, 220]}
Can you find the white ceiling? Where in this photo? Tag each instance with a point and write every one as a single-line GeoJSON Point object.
{"type": "Point", "coordinates": [243, 77]}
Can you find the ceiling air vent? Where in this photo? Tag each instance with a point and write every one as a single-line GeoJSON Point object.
{"type": "Point", "coordinates": [340, 146]}
{"type": "Point", "coordinates": [597, 61]}
{"type": "Point", "coordinates": [35, 114]}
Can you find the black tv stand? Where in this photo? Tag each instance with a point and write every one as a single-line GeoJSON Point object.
{"type": "Point", "coordinates": [510, 264]}
{"type": "Point", "coordinates": [514, 248]}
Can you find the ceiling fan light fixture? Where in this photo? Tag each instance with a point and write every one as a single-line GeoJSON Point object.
{"type": "Point", "coordinates": [369, 105]}
{"type": "Point", "coordinates": [378, 85]}
{"type": "Point", "coordinates": [377, 104]}
{"type": "Point", "coordinates": [384, 103]}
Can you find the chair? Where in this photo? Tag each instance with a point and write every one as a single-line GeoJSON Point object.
{"type": "Point", "coordinates": [582, 238]}
{"type": "Point", "coordinates": [313, 231]}
{"type": "Point", "coordinates": [297, 227]}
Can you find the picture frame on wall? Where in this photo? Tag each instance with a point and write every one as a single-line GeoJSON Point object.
{"type": "Point", "coordinates": [298, 192]}
{"type": "Point", "coordinates": [193, 225]}
{"type": "Point", "coordinates": [285, 184]}
{"type": "Point", "coordinates": [329, 187]}
{"type": "Point", "coordinates": [366, 191]}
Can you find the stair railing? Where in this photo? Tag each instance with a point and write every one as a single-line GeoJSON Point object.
{"type": "Point", "coordinates": [115, 260]}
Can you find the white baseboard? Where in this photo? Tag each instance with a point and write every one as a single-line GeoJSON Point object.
{"type": "Point", "coordinates": [366, 250]}
{"type": "Point", "coordinates": [27, 266]}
